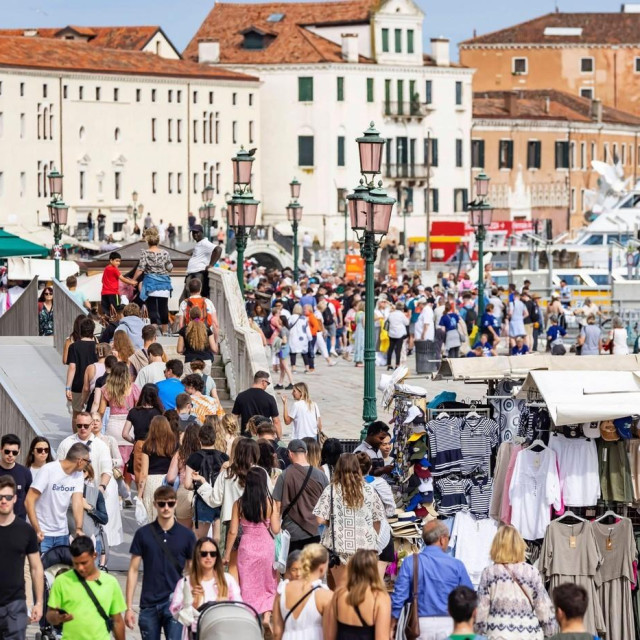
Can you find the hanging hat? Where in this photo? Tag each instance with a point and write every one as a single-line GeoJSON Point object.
{"type": "Point", "coordinates": [608, 431]}
{"type": "Point", "coordinates": [590, 430]}
{"type": "Point", "coordinates": [413, 414]}
{"type": "Point", "coordinates": [571, 430]}
{"type": "Point", "coordinates": [623, 427]}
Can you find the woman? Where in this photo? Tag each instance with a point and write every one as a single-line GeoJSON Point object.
{"type": "Point", "coordinates": [380, 315]}
{"type": "Point", "coordinates": [618, 338]}
{"type": "Point", "coordinates": [157, 453]}
{"type": "Point", "coordinates": [361, 609]}
{"type": "Point", "coordinates": [300, 605]}
{"type": "Point", "coordinates": [93, 372]}
{"type": "Point", "coordinates": [269, 459]}
{"type": "Point", "coordinates": [314, 452]}
{"type": "Point", "coordinates": [210, 389]}
{"type": "Point", "coordinates": [45, 312]}
{"type": "Point", "coordinates": [177, 471]}
{"type": "Point", "coordinates": [196, 341]}
{"type": "Point", "coordinates": [517, 314]}
{"type": "Point", "coordinates": [259, 315]}
{"type": "Point", "coordinates": [293, 570]}
{"type": "Point", "coordinates": [230, 431]}
{"type": "Point", "coordinates": [259, 516]}
{"type": "Point", "coordinates": [123, 348]}
{"type": "Point", "coordinates": [385, 449]}
{"type": "Point", "coordinates": [397, 323]}
{"type": "Point", "coordinates": [94, 512]}
{"type": "Point", "coordinates": [207, 582]}
{"type": "Point", "coordinates": [590, 338]}
{"type": "Point", "coordinates": [490, 325]}
{"type": "Point", "coordinates": [109, 363]}
{"type": "Point", "coordinates": [331, 452]}
{"type": "Point", "coordinates": [281, 354]}
{"type": "Point", "coordinates": [74, 336]}
{"type": "Point", "coordinates": [155, 263]}
{"type": "Point", "coordinates": [323, 313]}
{"type": "Point", "coordinates": [315, 331]}
{"type": "Point", "coordinates": [299, 337]}
{"type": "Point", "coordinates": [512, 601]}
{"type": "Point", "coordinates": [454, 329]}
{"type": "Point", "coordinates": [138, 419]}
{"type": "Point", "coordinates": [38, 455]}
{"type": "Point", "coordinates": [352, 507]}
{"type": "Point", "coordinates": [303, 413]}
{"type": "Point", "coordinates": [358, 336]}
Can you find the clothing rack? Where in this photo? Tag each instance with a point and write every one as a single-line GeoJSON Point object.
{"type": "Point", "coordinates": [483, 411]}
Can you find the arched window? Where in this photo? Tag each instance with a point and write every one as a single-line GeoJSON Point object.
{"type": "Point", "coordinates": [116, 134]}
{"type": "Point", "coordinates": [81, 133]}
{"type": "Point", "coordinates": [45, 122]}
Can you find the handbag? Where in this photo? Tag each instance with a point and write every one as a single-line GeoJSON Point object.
{"type": "Point", "coordinates": [334, 558]}
{"type": "Point", "coordinates": [107, 620]}
{"type": "Point", "coordinates": [412, 620]}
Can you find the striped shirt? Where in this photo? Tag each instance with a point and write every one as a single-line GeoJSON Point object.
{"type": "Point", "coordinates": [452, 495]}
{"type": "Point", "coordinates": [479, 495]}
{"type": "Point", "coordinates": [445, 452]}
{"type": "Point", "coordinates": [478, 437]}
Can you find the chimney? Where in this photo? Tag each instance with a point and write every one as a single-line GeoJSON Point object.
{"type": "Point", "coordinates": [440, 51]}
{"type": "Point", "coordinates": [350, 47]}
{"type": "Point", "coordinates": [511, 103]}
{"type": "Point", "coordinates": [208, 51]}
{"type": "Point", "coordinates": [596, 110]}
{"type": "Point", "coordinates": [547, 105]}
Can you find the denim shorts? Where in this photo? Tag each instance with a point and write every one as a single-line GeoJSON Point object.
{"type": "Point", "coordinates": [202, 512]}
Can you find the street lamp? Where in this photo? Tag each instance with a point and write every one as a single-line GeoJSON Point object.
{"type": "Point", "coordinates": [481, 213]}
{"type": "Point", "coordinates": [58, 214]}
{"type": "Point", "coordinates": [342, 208]}
{"type": "Point", "coordinates": [370, 211]}
{"type": "Point", "coordinates": [294, 215]}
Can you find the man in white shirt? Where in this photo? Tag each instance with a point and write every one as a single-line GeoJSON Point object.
{"type": "Point", "coordinates": [58, 485]}
{"type": "Point", "coordinates": [204, 255]}
{"type": "Point", "coordinates": [154, 371]}
{"type": "Point", "coordinates": [425, 325]}
{"type": "Point", "coordinates": [162, 230]}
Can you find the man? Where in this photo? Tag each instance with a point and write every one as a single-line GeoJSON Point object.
{"type": "Point", "coordinates": [203, 406]}
{"type": "Point", "coordinates": [255, 401]}
{"type": "Point", "coordinates": [296, 493]}
{"type": "Point", "coordinates": [140, 357]}
{"type": "Point", "coordinates": [571, 602]}
{"type": "Point", "coordinates": [99, 450]}
{"type": "Point", "coordinates": [308, 299]}
{"type": "Point", "coordinates": [170, 387]}
{"type": "Point", "coordinates": [376, 432]}
{"type": "Point", "coordinates": [153, 372]}
{"type": "Point", "coordinates": [165, 547]}
{"type": "Point", "coordinates": [57, 485]}
{"type": "Point", "coordinates": [111, 279]}
{"type": "Point", "coordinates": [133, 324]}
{"type": "Point", "coordinates": [148, 221]}
{"type": "Point", "coordinates": [81, 354]}
{"type": "Point", "coordinates": [71, 606]}
{"type": "Point", "coordinates": [78, 296]}
{"type": "Point", "coordinates": [17, 541]}
{"type": "Point", "coordinates": [462, 604]}
{"type": "Point", "coordinates": [529, 321]}
{"type": "Point", "coordinates": [183, 407]}
{"type": "Point", "coordinates": [204, 255]}
{"type": "Point", "coordinates": [9, 452]}
{"type": "Point", "coordinates": [171, 234]}
{"type": "Point", "coordinates": [425, 325]}
{"type": "Point", "coordinates": [162, 231]}
{"type": "Point", "coordinates": [207, 308]}
{"type": "Point", "coordinates": [102, 223]}
{"type": "Point", "coordinates": [565, 294]}
{"type": "Point", "coordinates": [439, 574]}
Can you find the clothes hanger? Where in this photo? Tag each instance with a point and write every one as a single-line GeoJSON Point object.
{"type": "Point", "coordinates": [570, 514]}
{"type": "Point", "coordinates": [608, 514]}
{"type": "Point", "coordinates": [536, 443]}
{"type": "Point", "coordinates": [442, 414]}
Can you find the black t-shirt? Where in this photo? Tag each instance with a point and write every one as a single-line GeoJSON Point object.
{"type": "Point", "coordinates": [82, 354]}
{"type": "Point", "coordinates": [22, 477]}
{"type": "Point", "coordinates": [216, 460]}
{"type": "Point", "coordinates": [254, 402]}
{"type": "Point", "coordinates": [158, 465]}
{"type": "Point", "coordinates": [17, 540]}
{"type": "Point", "coordinates": [140, 418]}
{"type": "Point", "coordinates": [191, 354]}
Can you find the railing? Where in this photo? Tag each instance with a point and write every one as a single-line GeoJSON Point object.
{"type": "Point", "coordinates": [406, 109]}
{"type": "Point", "coordinates": [65, 312]}
{"type": "Point", "coordinates": [240, 346]}
{"type": "Point", "coordinates": [21, 319]}
{"type": "Point", "coordinates": [406, 171]}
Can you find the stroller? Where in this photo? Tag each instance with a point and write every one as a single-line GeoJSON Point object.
{"type": "Point", "coordinates": [54, 561]}
{"type": "Point", "coordinates": [228, 620]}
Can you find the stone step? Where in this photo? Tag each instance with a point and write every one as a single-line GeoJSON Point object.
{"type": "Point", "coordinates": [223, 395]}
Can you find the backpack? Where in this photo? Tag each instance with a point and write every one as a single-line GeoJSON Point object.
{"type": "Point", "coordinates": [267, 329]}
{"type": "Point", "coordinates": [201, 303]}
{"type": "Point", "coordinates": [327, 317]}
{"type": "Point", "coordinates": [212, 461]}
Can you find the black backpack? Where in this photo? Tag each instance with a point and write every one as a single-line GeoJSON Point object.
{"type": "Point", "coordinates": [327, 317]}
{"type": "Point", "coordinates": [212, 461]}
{"type": "Point", "coordinates": [267, 329]}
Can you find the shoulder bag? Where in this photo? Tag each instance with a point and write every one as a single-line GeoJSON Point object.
{"type": "Point", "coordinates": [297, 604]}
{"type": "Point", "coordinates": [107, 620]}
{"type": "Point", "coordinates": [412, 620]}
{"type": "Point", "coordinates": [514, 579]}
{"type": "Point", "coordinates": [334, 558]}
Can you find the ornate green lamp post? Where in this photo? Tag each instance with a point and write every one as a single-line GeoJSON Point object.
{"type": "Point", "coordinates": [294, 215]}
{"type": "Point", "coordinates": [58, 213]}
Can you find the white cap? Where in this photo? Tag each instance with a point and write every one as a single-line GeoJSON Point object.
{"type": "Point", "coordinates": [591, 430]}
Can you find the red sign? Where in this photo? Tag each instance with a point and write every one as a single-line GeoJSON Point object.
{"type": "Point", "coordinates": [354, 268]}
{"type": "Point", "coordinates": [393, 268]}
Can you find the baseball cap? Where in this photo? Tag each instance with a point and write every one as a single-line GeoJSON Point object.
{"type": "Point", "coordinates": [608, 431]}
{"type": "Point", "coordinates": [590, 430]}
{"type": "Point", "coordinates": [571, 431]}
{"type": "Point", "coordinates": [297, 446]}
{"type": "Point", "coordinates": [623, 427]}
{"type": "Point", "coordinates": [197, 228]}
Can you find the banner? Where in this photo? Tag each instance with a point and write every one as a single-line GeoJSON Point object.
{"type": "Point", "coordinates": [354, 268]}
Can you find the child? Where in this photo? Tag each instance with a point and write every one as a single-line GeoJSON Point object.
{"type": "Point", "coordinates": [571, 602]}
{"type": "Point", "coordinates": [462, 604]}
{"type": "Point", "coordinates": [111, 278]}
{"type": "Point", "coordinates": [78, 296]}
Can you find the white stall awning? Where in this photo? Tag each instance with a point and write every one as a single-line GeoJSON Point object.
{"type": "Point", "coordinates": [28, 268]}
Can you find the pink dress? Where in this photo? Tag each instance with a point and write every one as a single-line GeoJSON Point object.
{"type": "Point", "coordinates": [255, 565]}
{"type": "Point", "coordinates": [117, 418]}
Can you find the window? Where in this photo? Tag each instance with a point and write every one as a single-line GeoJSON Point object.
{"type": "Point", "coordinates": [458, 153]}
{"type": "Point", "coordinates": [587, 65]}
{"type": "Point", "coordinates": [116, 134]}
{"type": "Point", "coordinates": [179, 183]}
{"type": "Point", "coordinates": [305, 151]}
{"type": "Point", "coordinates": [409, 40]}
{"type": "Point", "coordinates": [340, 89]}
{"type": "Point", "coordinates": [369, 89]}
{"type": "Point", "coordinates": [341, 162]}
{"type": "Point", "coordinates": [234, 132]}
{"type": "Point", "coordinates": [22, 125]}
{"type": "Point", "coordinates": [460, 200]}
{"type": "Point", "coordinates": [586, 92]}
{"type": "Point", "coordinates": [80, 93]}
{"type": "Point", "coordinates": [22, 90]}
{"type": "Point", "coordinates": [170, 182]}
{"type": "Point", "coordinates": [398, 40]}
{"type": "Point", "coordinates": [23, 184]}
{"type": "Point", "coordinates": [520, 66]}
{"type": "Point", "coordinates": [572, 203]}
{"type": "Point", "coordinates": [179, 130]}
{"type": "Point", "coordinates": [534, 150]}
{"type": "Point", "coordinates": [97, 94]}
{"type": "Point", "coordinates": [431, 201]}
{"type": "Point", "coordinates": [305, 89]}
{"type": "Point", "coordinates": [250, 131]}
{"type": "Point", "coordinates": [562, 154]}
{"type": "Point", "coordinates": [505, 154]}
{"type": "Point", "coordinates": [385, 40]}
{"type": "Point", "coordinates": [195, 97]}
{"type": "Point", "coordinates": [65, 91]}
{"type": "Point", "coordinates": [154, 182]}
{"type": "Point", "coordinates": [116, 183]}
{"type": "Point", "coordinates": [428, 94]}
{"type": "Point", "coordinates": [170, 95]}
{"type": "Point", "coordinates": [606, 152]}
{"type": "Point", "coordinates": [81, 133]}
{"type": "Point", "coordinates": [583, 155]}
{"type": "Point", "coordinates": [251, 99]}
{"type": "Point", "coordinates": [116, 95]}
{"type": "Point", "coordinates": [234, 98]}
{"type": "Point", "coordinates": [153, 129]}
{"type": "Point", "coordinates": [431, 154]}
{"type": "Point", "coordinates": [195, 131]}
{"type": "Point", "coordinates": [138, 95]}
{"type": "Point", "coordinates": [458, 93]}
{"type": "Point", "coordinates": [81, 184]}
{"type": "Point", "coordinates": [623, 153]}
{"type": "Point", "coordinates": [195, 182]}
{"type": "Point", "coordinates": [637, 65]}
{"type": "Point", "coordinates": [477, 154]}
{"type": "Point", "coordinates": [153, 95]}
{"type": "Point", "coordinates": [44, 90]}
{"type": "Point", "coordinates": [210, 97]}
{"type": "Point", "coordinates": [594, 151]}
{"type": "Point", "coordinates": [178, 96]}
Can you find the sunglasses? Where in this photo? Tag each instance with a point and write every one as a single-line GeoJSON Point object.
{"type": "Point", "coordinates": [7, 498]}
{"type": "Point", "coordinates": [83, 426]}
{"type": "Point", "coordinates": [211, 554]}
{"type": "Point", "coordinates": [48, 293]}
{"type": "Point", "coordinates": [11, 452]}
{"type": "Point", "coordinates": [166, 503]}
{"type": "Point", "coordinates": [41, 449]}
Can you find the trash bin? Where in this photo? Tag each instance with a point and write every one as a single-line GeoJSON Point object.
{"type": "Point", "coordinates": [427, 356]}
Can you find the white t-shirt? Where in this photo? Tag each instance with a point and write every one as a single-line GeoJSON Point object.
{"type": "Point", "coordinates": [398, 324]}
{"type": "Point", "coordinates": [200, 256]}
{"type": "Point", "coordinates": [56, 488]}
{"type": "Point", "coordinates": [305, 420]}
{"type": "Point", "coordinates": [425, 319]}
{"type": "Point", "coordinates": [99, 453]}
{"type": "Point", "coordinates": [151, 374]}
{"type": "Point", "coordinates": [471, 540]}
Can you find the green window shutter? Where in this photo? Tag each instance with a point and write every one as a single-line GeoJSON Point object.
{"type": "Point", "coordinates": [341, 162]}
{"type": "Point", "coordinates": [410, 41]}
{"type": "Point", "coordinates": [435, 198]}
{"type": "Point", "coordinates": [369, 89]}
{"type": "Point", "coordinates": [305, 151]}
{"type": "Point", "coordinates": [428, 98]}
{"type": "Point", "coordinates": [385, 40]}
{"type": "Point", "coordinates": [305, 89]}
{"type": "Point", "coordinates": [398, 40]}
{"type": "Point", "coordinates": [434, 152]}
{"type": "Point", "coordinates": [340, 89]}
{"type": "Point", "coordinates": [387, 97]}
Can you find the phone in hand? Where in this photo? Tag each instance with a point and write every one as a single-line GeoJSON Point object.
{"type": "Point", "coordinates": [62, 612]}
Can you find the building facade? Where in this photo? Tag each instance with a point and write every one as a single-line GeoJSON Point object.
{"type": "Point", "coordinates": [327, 71]}
{"type": "Point", "coordinates": [114, 121]}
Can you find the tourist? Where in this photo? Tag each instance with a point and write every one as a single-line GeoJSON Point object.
{"type": "Point", "coordinates": [301, 603]}
{"type": "Point", "coordinates": [196, 341]}
{"type": "Point", "coordinates": [329, 454]}
{"type": "Point", "coordinates": [358, 335]}
{"type": "Point", "coordinates": [157, 452]}
{"type": "Point", "coordinates": [361, 607]}
{"type": "Point", "coordinates": [123, 348]}
{"type": "Point", "coordinates": [94, 512]}
{"type": "Point", "coordinates": [170, 387]}
{"type": "Point", "coordinates": [462, 604]}
{"type": "Point", "coordinates": [293, 569]}
{"type": "Point", "coordinates": [79, 296]}
{"type": "Point", "coordinates": [166, 548]}
{"type": "Point", "coordinates": [555, 333]}
{"type": "Point", "coordinates": [207, 308]}
{"type": "Point", "coordinates": [184, 407]}
{"type": "Point", "coordinates": [132, 324]}
{"type": "Point", "coordinates": [490, 325]}
{"type": "Point", "coordinates": [303, 413]}
{"type": "Point", "coordinates": [141, 357]}
{"type": "Point", "coordinates": [265, 431]}
{"type": "Point", "coordinates": [512, 600]}
{"type": "Point", "coordinates": [204, 255]}
{"type": "Point", "coordinates": [45, 312]}
{"type": "Point", "coordinates": [203, 406]}
{"type": "Point", "coordinates": [296, 493]}
{"type": "Point", "coordinates": [207, 581]}
{"type": "Point", "coordinates": [189, 444]}
{"type": "Point", "coordinates": [81, 354]}
{"type": "Point", "coordinates": [565, 294]}
{"type": "Point", "coordinates": [111, 279]}
{"type": "Point", "coordinates": [153, 372]}
{"type": "Point", "coordinates": [376, 432]}
{"type": "Point", "coordinates": [210, 389]}
{"type": "Point", "coordinates": [299, 337]}
{"type": "Point", "coordinates": [455, 331]}
{"type": "Point", "coordinates": [517, 314]}
{"type": "Point", "coordinates": [47, 507]}
{"type": "Point", "coordinates": [109, 362]}
{"type": "Point", "coordinates": [438, 574]}
{"type": "Point", "coordinates": [520, 348]}
{"type": "Point", "coordinates": [353, 508]}
{"type": "Point", "coordinates": [618, 338]}
{"type": "Point", "coordinates": [397, 324]}
{"type": "Point", "coordinates": [92, 373]}
{"type": "Point", "coordinates": [259, 517]}
{"type": "Point", "coordinates": [590, 338]}
{"type": "Point", "coordinates": [38, 455]}
{"type": "Point", "coordinates": [314, 452]}
{"type": "Point", "coordinates": [10, 446]}
{"type": "Point", "coordinates": [385, 448]}
{"type": "Point", "coordinates": [281, 348]}
{"type": "Point", "coordinates": [74, 336]}
{"type": "Point", "coordinates": [571, 602]}
{"type": "Point", "coordinates": [256, 401]}
{"type": "Point", "coordinates": [380, 315]}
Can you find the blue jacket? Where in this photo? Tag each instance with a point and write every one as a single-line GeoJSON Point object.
{"type": "Point", "coordinates": [154, 282]}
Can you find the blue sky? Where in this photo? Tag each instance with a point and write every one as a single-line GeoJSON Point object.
{"type": "Point", "coordinates": [455, 19]}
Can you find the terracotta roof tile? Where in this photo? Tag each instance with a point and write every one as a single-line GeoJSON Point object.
{"type": "Point", "coordinates": [70, 55]}
{"type": "Point", "coordinates": [597, 28]}
{"type": "Point", "coordinates": [545, 104]}
{"type": "Point", "coordinates": [292, 43]}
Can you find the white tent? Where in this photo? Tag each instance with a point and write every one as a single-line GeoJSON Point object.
{"type": "Point", "coordinates": [573, 397]}
{"type": "Point", "coordinates": [28, 268]}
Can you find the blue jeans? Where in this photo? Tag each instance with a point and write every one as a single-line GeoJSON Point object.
{"type": "Point", "coordinates": [158, 618]}
{"type": "Point", "coordinates": [53, 541]}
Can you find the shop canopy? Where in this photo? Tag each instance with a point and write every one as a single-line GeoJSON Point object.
{"type": "Point", "coordinates": [517, 367]}
{"type": "Point", "coordinates": [29, 268]}
{"type": "Point", "coordinates": [12, 245]}
{"type": "Point", "coordinates": [574, 397]}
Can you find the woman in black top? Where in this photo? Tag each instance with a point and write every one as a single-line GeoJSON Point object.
{"type": "Point", "coordinates": [196, 341]}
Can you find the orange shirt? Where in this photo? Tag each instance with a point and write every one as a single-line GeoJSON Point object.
{"type": "Point", "coordinates": [314, 324]}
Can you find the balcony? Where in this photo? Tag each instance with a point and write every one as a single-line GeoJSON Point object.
{"type": "Point", "coordinates": [406, 110]}
{"type": "Point", "coordinates": [414, 173]}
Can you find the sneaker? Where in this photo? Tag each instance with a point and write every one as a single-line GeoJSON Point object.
{"type": "Point", "coordinates": [289, 387]}
{"type": "Point", "coordinates": [334, 354]}
{"type": "Point", "coordinates": [278, 386]}
{"type": "Point", "coordinates": [128, 502]}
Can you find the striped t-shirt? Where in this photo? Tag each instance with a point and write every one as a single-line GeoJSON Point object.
{"type": "Point", "coordinates": [445, 452]}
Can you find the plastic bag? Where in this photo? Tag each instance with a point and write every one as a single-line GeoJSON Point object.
{"type": "Point", "coordinates": [282, 541]}
{"type": "Point", "coordinates": [142, 517]}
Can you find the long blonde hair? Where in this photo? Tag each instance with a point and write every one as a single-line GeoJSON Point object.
{"type": "Point", "coordinates": [348, 476]}
{"type": "Point", "coordinates": [230, 425]}
{"type": "Point", "coordinates": [508, 547]}
{"type": "Point", "coordinates": [312, 556]}
{"type": "Point", "coordinates": [220, 442]}
{"type": "Point", "coordinates": [196, 333]}
{"type": "Point", "coordinates": [362, 574]}
{"type": "Point", "coordinates": [123, 346]}
{"type": "Point", "coordinates": [303, 390]}
{"type": "Point", "coordinates": [314, 452]}
{"type": "Point", "coordinates": [118, 384]}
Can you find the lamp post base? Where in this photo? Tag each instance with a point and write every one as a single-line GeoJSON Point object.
{"type": "Point", "coordinates": [241, 245]}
